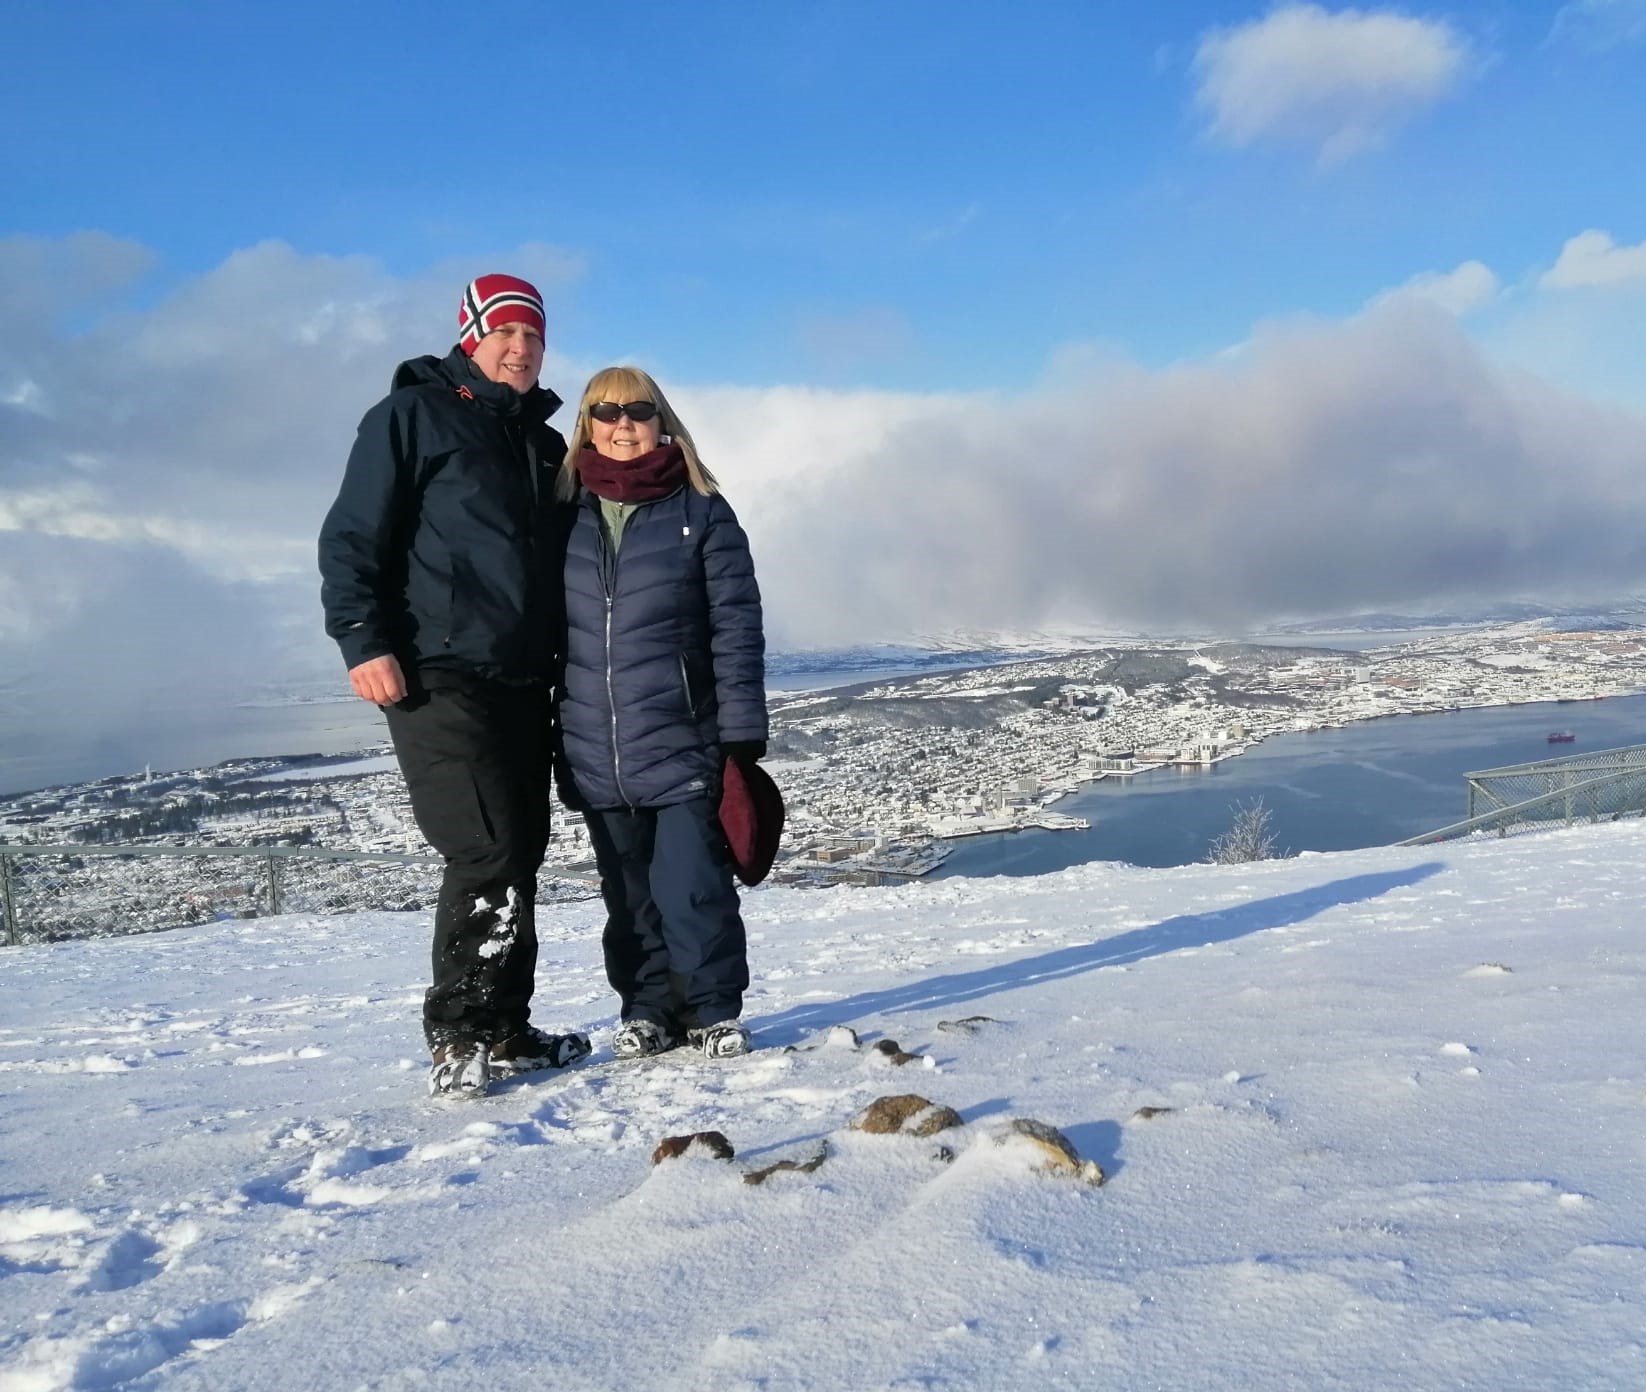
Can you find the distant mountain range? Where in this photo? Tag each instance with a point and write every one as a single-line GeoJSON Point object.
{"type": "Point", "coordinates": [871, 660]}
{"type": "Point", "coordinates": [1620, 613]}
{"type": "Point", "coordinates": [962, 647]}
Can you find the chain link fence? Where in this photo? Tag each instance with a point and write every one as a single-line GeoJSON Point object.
{"type": "Point", "coordinates": [1581, 788]}
{"type": "Point", "coordinates": [49, 893]}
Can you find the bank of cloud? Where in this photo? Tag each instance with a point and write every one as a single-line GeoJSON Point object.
{"type": "Point", "coordinates": [1325, 466]}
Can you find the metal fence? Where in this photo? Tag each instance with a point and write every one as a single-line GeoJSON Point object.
{"type": "Point", "coordinates": [1580, 788]}
{"type": "Point", "coordinates": [51, 892]}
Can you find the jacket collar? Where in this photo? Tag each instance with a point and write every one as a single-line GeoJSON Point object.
{"type": "Point", "coordinates": [588, 498]}
{"type": "Point", "coordinates": [457, 372]}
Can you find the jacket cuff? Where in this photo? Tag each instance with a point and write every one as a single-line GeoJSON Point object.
{"type": "Point", "coordinates": [361, 646]}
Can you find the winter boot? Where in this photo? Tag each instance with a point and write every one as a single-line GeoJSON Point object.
{"type": "Point", "coordinates": [727, 1039]}
{"type": "Point", "coordinates": [532, 1049]}
{"type": "Point", "coordinates": [642, 1038]}
{"type": "Point", "coordinates": [461, 1067]}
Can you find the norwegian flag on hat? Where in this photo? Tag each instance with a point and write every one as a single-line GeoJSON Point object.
{"type": "Point", "coordinates": [491, 301]}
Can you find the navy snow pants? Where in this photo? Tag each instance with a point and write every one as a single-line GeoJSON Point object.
{"type": "Point", "coordinates": [675, 949]}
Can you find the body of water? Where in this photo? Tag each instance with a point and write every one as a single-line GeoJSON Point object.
{"type": "Point", "coordinates": [192, 739]}
{"type": "Point", "coordinates": [1369, 784]}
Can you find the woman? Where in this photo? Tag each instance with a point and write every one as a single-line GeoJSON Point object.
{"type": "Point", "coordinates": [664, 678]}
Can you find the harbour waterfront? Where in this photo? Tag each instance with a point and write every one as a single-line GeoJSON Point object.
{"type": "Point", "coordinates": [1366, 784]}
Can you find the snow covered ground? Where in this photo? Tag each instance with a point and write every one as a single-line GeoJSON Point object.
{"type": "Point", "coordinates": [1401, 1144]}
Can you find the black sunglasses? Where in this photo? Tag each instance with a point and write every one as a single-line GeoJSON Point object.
{"type": "Point", "coordinates": [610, 412]}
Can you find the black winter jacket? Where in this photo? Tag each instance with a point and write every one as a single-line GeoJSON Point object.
{"type": "Point", "coordinates": [440, 548]}
{"type": "Point", "coordinates": [665, 656]}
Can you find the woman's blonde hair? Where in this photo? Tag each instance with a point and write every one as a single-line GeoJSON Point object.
{"type": "Point", "coordinates": [625, 384]}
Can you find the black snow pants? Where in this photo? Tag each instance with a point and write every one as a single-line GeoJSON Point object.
{"type": "Point", "coordinates": [475, 755]}
{"type": "Point", "coordinates": [676, 953]}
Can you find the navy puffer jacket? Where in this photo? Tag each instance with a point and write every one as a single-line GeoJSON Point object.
{"type": "Point", "coordinates": [665, 655]}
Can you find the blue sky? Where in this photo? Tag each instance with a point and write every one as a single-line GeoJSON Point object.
{"type": "Point", "coordinates": [919, 195]}
{"type": "Point", "coordinates": [1124, 316]}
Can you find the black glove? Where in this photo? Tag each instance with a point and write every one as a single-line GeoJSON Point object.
{"type": "Point", "coordinates": [744, 751]}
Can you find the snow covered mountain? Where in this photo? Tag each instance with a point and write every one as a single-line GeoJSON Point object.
{"type": "Point", "coordinates": [1368, 1120]}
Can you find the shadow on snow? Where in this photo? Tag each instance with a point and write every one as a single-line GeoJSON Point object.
{"type": "Point", "coordinates": [1187, 930]}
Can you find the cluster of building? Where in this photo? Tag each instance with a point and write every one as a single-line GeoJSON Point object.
{"type": "Point", "coordinates": [1001, 745]}
{"type": "Point", "coordinates": [879, 780]}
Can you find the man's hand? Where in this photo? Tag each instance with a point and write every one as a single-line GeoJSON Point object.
{"type": "Point", "coordinates": [379, 680]}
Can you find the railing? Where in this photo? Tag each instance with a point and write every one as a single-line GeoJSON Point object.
{"type": "Point", "coordinates": [1595, 787]}
{"type": "Point", "coordinates": [60, 905]}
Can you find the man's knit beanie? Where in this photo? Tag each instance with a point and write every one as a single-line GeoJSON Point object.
{"type": "Point", "coordinates": [490, 301]}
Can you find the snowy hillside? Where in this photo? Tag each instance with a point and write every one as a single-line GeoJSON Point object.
{"type": "Point", "coordinates": [1369, 1120]}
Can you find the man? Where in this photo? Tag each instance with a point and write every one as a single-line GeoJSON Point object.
{"type": "Point", "coordinates": [441, 585]}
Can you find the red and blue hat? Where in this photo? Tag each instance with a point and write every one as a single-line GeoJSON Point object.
{"type": "Point", "coordinates": [490, 301]}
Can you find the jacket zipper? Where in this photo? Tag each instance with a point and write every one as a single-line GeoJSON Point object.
{"type": "Point", "coordinates": [686, 687]}
{"type": "Point", "coordinates": [608, 578]}
{"type": "Point", "coordinates": [525, 451]}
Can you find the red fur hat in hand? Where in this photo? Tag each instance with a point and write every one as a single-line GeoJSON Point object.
{"type": "Point", "coordinates": [751, 815]}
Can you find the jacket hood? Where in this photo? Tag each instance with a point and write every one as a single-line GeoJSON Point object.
{"type": "Point", "coordinates": [455, 371]}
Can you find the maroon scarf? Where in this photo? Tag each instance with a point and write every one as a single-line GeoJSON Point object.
{"type": "Point", "coordinates": [653, 475]}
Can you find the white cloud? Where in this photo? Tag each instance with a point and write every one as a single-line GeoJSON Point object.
{"type": "Point", "coordinates": [163, 471]}
{"type": "Point", "coordinates": [159, 497]}
{"type": "Point", "coordinates": [43, 276]}
{"type": "Point", "coordinates": [1581, 323]}
{"type": "Point", "coordinates": [1593, 259]}
{"type": "Point", "coordinates": [215, 422]}
{"type": "Point", "coordinates": [1339, 81]}
{"type": "Point", "coordinates": [24, 393]}
{"type": "Point", "coordinates": [101, 638]}
{"type": "Point", "coordinates": [1600, 24]}
{"type": "Point", "coordinates": [1460, 291]}
{"type": "Point", "coordinates": [79, 510]}
{"type": "Point", "coordinates": [1329, 467]}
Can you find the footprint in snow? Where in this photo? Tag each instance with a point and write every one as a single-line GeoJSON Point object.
{"type": "Point", "coordinates": [42, 1238]}
{"type": "Point", "coordinates": [126, 1348]}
